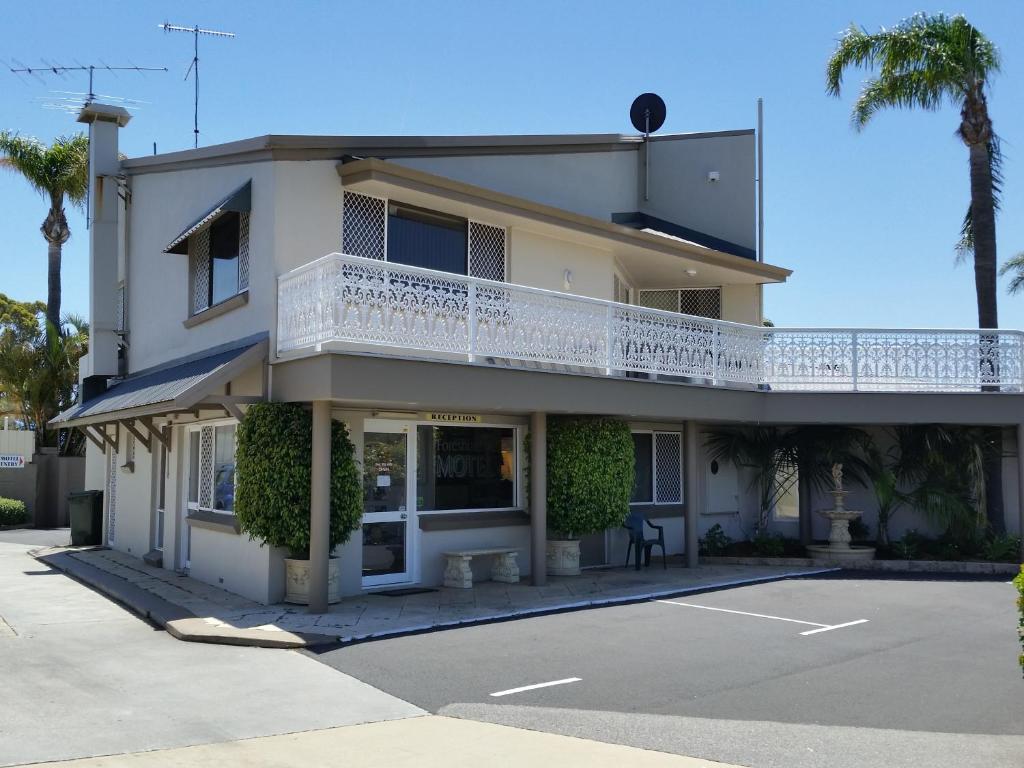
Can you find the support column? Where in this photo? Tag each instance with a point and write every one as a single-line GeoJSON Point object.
{"type": "Point", "coordinates": [1020, 487]}
{"type": "Point", "coordinates": [539, 499]}
{"type": "Point", "coordinates": [320, 507]}
{"type": "Point", "coordinates": [691, 484]}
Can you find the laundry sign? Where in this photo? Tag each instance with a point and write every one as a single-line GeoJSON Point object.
{"type": "Point", "coordinates": [12, 461]}
{"type": "Point", "coordinates": [457, 418]}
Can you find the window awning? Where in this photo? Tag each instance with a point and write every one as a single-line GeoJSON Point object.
{"type": "Point", "coordinates": [178, 386]}
{"type": "Point", "coordinates": [239, 201]}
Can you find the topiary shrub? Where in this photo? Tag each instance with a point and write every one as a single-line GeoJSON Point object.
{"type": "Point", "coordinates": [12, 512]}
{"type": "Point", "coordinates": [1019, 583]}
{"type": "Point", "coordinates": [272, 466]}
{"type": "Point", "coordinates": [590, 474]}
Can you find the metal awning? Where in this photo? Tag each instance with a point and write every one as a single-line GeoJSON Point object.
{"type": "Point", "coordinates": [240, 201]}
{"type": "Point", "coordinates": [177, 386]}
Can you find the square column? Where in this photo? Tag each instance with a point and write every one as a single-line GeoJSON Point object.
{"type": "Point", "coordinates": [1020, 487]}
{"type": "Point", "coordinates": [691, 484]}
{"type": "Point", "coordinates": [539, 499]}
{"type": "Point", "coordinates": [320, 507]}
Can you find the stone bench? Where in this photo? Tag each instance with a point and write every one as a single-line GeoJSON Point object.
{"type": "Point", "coordinates": [459, 575]}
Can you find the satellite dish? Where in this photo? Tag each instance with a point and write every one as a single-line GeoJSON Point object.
{"type": "Point", "coordinates": [647, 113]}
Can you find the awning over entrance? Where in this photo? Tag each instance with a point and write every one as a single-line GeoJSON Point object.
{"type": "Point", "coordinates": [178, 386]}
{"type": "Point", "coordinates": [239, 201]}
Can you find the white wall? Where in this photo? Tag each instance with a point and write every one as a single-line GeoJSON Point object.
{"type": "Point", "coordinates": [540, 261]}
{"type": "Point", "coordinates": [163, 204]}
{"type": "Point", "coordinates": [236, 563]}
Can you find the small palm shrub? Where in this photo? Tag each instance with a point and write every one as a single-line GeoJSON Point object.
{"type": "Point", "coordinates": [1019, 583]}
{"type": "Point", "coordinates": [715, 541]}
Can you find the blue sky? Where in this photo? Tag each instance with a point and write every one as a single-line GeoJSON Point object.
{"type": "Point", "coordinates": [867, 221]}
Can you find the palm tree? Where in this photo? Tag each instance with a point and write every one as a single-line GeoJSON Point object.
{"type": "Point", "coordinates": [926, 62]}
{"type": "Point", "coordinates": [1014, 267]}
{"type": "Point", "coordinates": [59, 171]}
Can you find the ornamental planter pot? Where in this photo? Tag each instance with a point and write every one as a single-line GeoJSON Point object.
{"type": "Point", "coordinates": [296, 581]}
{"type": "Point", "coordinates": [563, 556]}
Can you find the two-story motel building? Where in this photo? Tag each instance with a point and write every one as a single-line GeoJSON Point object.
{"type": "Point", "coordinates": [442, 296]}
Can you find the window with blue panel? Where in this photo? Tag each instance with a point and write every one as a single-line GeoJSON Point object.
{"type": "Point", "coordinates": [421, 238]}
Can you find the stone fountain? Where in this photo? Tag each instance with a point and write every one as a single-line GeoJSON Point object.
{"type": "Point", "coordinates": [838, 547]}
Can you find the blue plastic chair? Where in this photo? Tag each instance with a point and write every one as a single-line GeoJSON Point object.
{"type": "Point", "coordinates": [634, 524]}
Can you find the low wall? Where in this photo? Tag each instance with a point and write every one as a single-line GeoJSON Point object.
{"type": "Point", "coordinates": [44, 484]}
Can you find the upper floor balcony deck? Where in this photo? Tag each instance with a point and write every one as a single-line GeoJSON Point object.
{"type": "Point", "coordinates": [348, 302]}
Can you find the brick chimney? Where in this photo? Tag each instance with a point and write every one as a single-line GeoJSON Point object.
{"type": "Point", "coordinates": [104, 122]}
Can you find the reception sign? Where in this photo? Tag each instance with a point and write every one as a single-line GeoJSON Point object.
{"type": "Point", "coordinates": [11, 461]}
{"type": "Point", "coordinates": [456, 418]}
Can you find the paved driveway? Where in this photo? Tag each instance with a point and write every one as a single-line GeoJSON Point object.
{"type": "Point", "coordinates": [768, 675]}
{"type": "Point", "coordinates": [81, 676]}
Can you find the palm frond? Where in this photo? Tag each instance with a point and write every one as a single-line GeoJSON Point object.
{"type": "Point", "coordinates": [1014, 267]}
{"type": "Point", "coordinates": [58, 171]}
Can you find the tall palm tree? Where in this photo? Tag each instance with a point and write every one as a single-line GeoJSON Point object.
{"type": "Point", "coordinates": [59, 172]}
{"type": "Point", "coordinates": [926, 62]}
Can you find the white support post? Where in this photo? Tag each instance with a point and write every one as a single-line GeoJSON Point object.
{"type": "Point", "coordinates": [854, 352]}
{"type": "Point", "coordinates": [1020, 487]}
{"type": "Point", "coordinates": [609, 338]}
{"type": "Point", "coordinates": [715, 345]}
{"type": "Point", "coordinates": [471, 321]}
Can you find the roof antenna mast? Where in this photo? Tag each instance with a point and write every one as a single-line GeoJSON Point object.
{"type": "Point", "coordinates": [193, 67]}
{"type": "Point", "coordinates": [647, 113]}
{"type": "Point", "coordinates": [71, 104]}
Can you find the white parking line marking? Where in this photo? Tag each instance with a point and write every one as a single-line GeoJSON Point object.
{"type": "Point", "coordinates": [743, 613]}
{"type": "Point", "coordinates": [820, 627]}
{"type": "Point", "coordinates": [834, 626]}
{"type": "Point", "coordinates": [536, 685]}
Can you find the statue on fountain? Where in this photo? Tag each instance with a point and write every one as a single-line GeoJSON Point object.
{"type": "Point", "coordinates": [838, 547]}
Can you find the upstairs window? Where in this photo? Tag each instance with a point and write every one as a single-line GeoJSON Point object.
{"type": "Point", "coordinates": [387, 230]}
{"type": "Point", "coordinates": [220, 260]}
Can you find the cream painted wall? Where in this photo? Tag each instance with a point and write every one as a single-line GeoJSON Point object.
{"type": "Point", "coordinates": [95, 467]}
{"type": "Point", "coordinates": [540, 261]}
{"type": "Point", "coordinates": [236, 563]}
{"type": "Point", "coordinates": [742, 303]}
{"type": "Point", "coordinates": [163, 204]}
{"type": "Point", "coordinates": [133, 518]}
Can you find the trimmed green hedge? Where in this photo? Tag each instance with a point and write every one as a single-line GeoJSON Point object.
{"type": "Point", "coordinates": [1019, 583]}
{"type": "Point", "coordinates": [12, 512]}
{"type": "Point", "coordinates": [273, 475]}
{"type": "Point", "coordinates": [590, 474]}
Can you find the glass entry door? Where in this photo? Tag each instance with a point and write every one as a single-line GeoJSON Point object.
{"type": "Point", "coordinates": [388, 503]}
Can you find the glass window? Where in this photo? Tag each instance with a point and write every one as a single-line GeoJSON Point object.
{"type": "Point", "coordinates": [384, 478]}
{"type": "Point", "coordinates": [787, 505]}
{"type": "Point", "coordinates": [465, 467]}
{"type": "Point", "coordinates": [224, 468]}
{"type": "Point", "coordinates": [422, 238]}
{"type": "Point", "coordinates": [643, 480]}
{"type": "Point", "coordinates": [193, 467]}
{"type": "Point", "coordinates": [224, 258]}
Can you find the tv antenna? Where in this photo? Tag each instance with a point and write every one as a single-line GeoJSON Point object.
{"type": "Point", "coordinates": [60, 70]}
{"type": "Point", "coordinates": [647, 114]}
{"type": "Point", "coordinates": [193, 68]}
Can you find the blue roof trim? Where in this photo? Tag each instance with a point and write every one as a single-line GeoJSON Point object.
{"type": "Point", "coordinates": [641, 220]}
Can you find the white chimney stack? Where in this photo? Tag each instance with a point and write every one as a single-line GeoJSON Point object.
{"type": "Point", "coordinates": [104, 121]}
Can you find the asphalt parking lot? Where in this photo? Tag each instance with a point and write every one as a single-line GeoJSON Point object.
{"type": "Point", "coordinates": [849, 670]}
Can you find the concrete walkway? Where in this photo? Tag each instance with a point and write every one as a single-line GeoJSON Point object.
{"type": "Point", "coordinates": [422, 742]}
{"type": "Point", "coordinates": [192, 610]}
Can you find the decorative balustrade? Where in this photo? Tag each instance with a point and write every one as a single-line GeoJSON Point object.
{"type": "Point", "coordinates": [357, 301]}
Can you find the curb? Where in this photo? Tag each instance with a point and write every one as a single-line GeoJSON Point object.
{"type": "Point", "coordinates": [179, 622]}
{"type": "Point", "coordinates": [581, 605]}
{"type": "Point", "coordinates": [951, 567]}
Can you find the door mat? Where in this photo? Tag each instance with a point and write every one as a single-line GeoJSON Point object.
{"type": "Point", "coordinates": [405, 591]}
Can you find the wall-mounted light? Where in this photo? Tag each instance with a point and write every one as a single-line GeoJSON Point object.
{"type": "Point", "coordinates": [691, 273]}
{"type": "Point", "coordinates": [712, 177]}
{"type": "Point", "coordinates": [567, 279]}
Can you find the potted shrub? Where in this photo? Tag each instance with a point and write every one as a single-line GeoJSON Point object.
{"type": "Point", "coordinates": [272, 489]}
{"type": "Point", "coordinates": [590, 479]}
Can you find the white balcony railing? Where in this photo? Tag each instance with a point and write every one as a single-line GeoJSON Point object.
{"type": "Point", "coordinates": [357, 301]}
